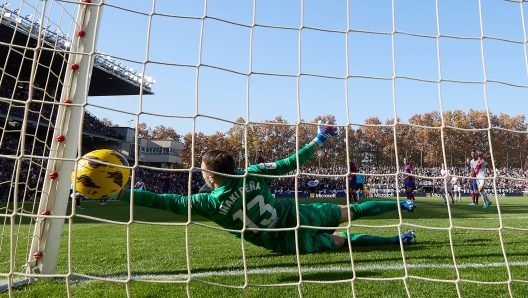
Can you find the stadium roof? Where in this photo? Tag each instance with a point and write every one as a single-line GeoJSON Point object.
{"type": "Point", "coordinates": [108, 77]}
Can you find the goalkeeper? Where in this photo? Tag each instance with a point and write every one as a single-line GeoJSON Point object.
{"type": "Point", "coordinates": [224, 205]}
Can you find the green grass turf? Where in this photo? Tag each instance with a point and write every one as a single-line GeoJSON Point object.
{"type": "Point", "coordinates": [158, 261]}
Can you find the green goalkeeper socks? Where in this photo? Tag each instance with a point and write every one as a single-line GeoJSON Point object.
{"type": "Point", "coordinates": [372, 208]}
{"type": "Point", "coordinates": [370, 240]}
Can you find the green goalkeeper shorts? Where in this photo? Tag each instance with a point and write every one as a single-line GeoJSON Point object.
{"type": "Point", "coordinates": [310, 239]}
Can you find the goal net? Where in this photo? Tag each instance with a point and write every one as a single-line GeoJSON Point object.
{"type": "Point", "coordinates": [429, 81]}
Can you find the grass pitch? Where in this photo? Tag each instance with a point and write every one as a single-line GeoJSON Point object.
{"type": "Point", "coordinates": [467, 252]}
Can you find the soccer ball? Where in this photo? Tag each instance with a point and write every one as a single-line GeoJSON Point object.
{"type": "Point", "coordinates": [96, 180]}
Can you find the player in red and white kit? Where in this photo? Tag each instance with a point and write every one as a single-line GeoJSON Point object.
{"type": "Point", "coordinates": [445, 186]}
{"type": "Point", "coordinates": [480, 167]}
{"type": "Point", "coordinates": [457, 190]}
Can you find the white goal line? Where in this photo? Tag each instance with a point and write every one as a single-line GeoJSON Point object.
{"type": "Point", "coordinates": [281, 270]}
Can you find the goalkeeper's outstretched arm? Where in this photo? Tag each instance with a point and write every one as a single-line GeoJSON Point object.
{"type": "Point", "coordinates": [222, 162]}
{"type": "Point", "coordinates": [286, 165]}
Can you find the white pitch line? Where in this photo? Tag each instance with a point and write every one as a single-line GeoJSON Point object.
{"type": "Point", "coordinates": [466, 218]}
{"type": "Point", "coordinates": [304, 270]}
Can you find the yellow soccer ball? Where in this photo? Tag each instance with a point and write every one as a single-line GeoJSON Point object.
{"type": "Point", "coordinates": [101, 174]}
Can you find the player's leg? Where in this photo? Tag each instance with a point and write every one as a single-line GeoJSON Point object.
{"type": "Point", "coordinates": [359, 191]}
{"type": "Point", "coordinates": [473, 191]}
{"type": "Point", "coordinates": [482, 191]}
{"type": "Point", "coordinates": [443, 194]}
{"type": "Point", "coordinates": [340, 238]}
{"type": "Point", "coordinates": [78, 202]}
{"type": "Point", "coordinates": [352, 191]}
{"type": "Point", "coordinates": [413, 187]}
{"type": "Point", "coordinates": [310, 240]}
{"type": "Point", "coordinates": [373, 208]}
{"type": "Point", "coordinates": [352, 196]}
{"type": "Point", "coordinates": [408, 190]}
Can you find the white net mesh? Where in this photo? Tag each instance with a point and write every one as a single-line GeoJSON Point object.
{"type": "Point", "coordinates": [427, 80]}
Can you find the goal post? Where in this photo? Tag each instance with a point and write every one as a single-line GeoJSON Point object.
{"type": "Point", "coordinates": [44, 251]}
{"type": "Point", "coordinates": [64, 135]}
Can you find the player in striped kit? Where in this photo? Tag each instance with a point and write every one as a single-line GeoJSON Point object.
{"type": "Point", "coordinates": [408, 180]}
{"type": "Point", "coordinates": [225, 205]}
{"type": "Point", "coordinates": [472, 183]}
{"type": "Point", "coordinates": [480, 167]}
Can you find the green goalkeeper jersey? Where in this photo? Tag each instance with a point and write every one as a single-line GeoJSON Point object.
{"type": "Point", "coordinates": [224, 205]}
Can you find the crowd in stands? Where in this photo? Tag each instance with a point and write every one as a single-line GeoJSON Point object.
{"type": "Point", "coordinates": [382, 179]}
{"type": "Point", "coordinates": [92, 124]}
{"type": "Point", "coordinates": [31, 170]}
{"type": "Point", "coordinates": [379, 179]}
{"type": "Point", "coordinates": [152, 179]}
{"type": "Point", "coordinates": [39, 111]}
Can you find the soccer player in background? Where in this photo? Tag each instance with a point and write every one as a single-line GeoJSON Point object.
{"type": "Point", "coordinates": [481, 171]}
{"type": "Point", "coordinates": [457, 190]}
{"type": "Point", "coordinates": [408, 180]}
{"type": "Point", "coordinates": [352, 183]}
{"type": "Point", "coordinates": [366, 191]}
{"type": "Point", "coordinates": [445, 185]}
{"type": "Point", "coordinates": [225, 205]}
{"type": "Point", "coordinates": [166, 179]}
{"type": "Point", "coordinates": [78, 199]}
{"type": "Point", "coordinates": [359, 187]}
{"type": "Point", "coordinates": [472, 183]}
{"type": "Point", "coordinates": [140, 184]}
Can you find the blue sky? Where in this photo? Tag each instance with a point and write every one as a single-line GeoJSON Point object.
{"type": "Point", "coordinates": [279, 51]}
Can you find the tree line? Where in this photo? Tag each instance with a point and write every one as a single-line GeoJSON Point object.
{"type": "Point", "coordinates": [373, 143]}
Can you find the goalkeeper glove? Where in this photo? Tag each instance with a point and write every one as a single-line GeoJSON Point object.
{"type": "Point", "coordinates": [324, 132]}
